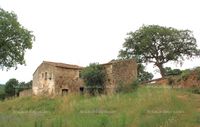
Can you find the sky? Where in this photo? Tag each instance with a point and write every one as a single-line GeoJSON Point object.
{"type": "Point", "coordinates": [86, 31]}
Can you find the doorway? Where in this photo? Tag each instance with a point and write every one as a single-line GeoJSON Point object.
{"type": "Point", "coordinates": [64, 92]}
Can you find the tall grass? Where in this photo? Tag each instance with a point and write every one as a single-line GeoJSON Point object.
{"type": "Point", "coordinates": [146, 107]}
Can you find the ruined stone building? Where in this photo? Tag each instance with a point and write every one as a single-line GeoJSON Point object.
{"type": "Point", "coordinates": [52, 78]}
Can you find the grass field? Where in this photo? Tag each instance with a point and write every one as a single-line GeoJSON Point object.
{"type": "Point", "coordinates": [146, 107]}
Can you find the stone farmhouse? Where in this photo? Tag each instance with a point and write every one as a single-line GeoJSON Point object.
{"type": "Point", "coordinates": [52, 78]}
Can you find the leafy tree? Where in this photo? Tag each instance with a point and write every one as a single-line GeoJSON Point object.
{"type": "Point", "coordinates": [159, 45]}
{"type": "Point", "coordinates": [10, 87]}
{"type": "Point", "coordinates": [14, 40]}
{"type": "Point", "coordinates": [94, 78]}
{"type": "Point", "coordinates": [169, 71]}
{"type": "Point", "coordinates": [142, 74]}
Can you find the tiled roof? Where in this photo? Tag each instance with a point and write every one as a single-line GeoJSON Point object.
{"type": "Point", "coordinates": [63, 65]}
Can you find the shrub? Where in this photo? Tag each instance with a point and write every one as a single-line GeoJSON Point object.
{"type": "Point", "coordinates": [185, 74]}
{"type": "Point", "coordinates": [10, 87]}
{"type": "Point", "coordinates": [94, 78]}
{"type": "Point", "coordinates": [169, 71]}
{"type": "Point", "coordinates": [171, 81]}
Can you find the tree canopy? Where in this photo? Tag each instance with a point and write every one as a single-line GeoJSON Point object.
{"type": "Point", "coordinates": [94, 78]}
{"type": "Point", "coordinates": [14, 40]}
{"type": "Point", "coordinates": [10, 87]}
{"type": "Point", "coordinates": [159, 45]}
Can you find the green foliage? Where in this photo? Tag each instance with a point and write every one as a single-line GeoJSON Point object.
{"type": "Point", "coordinates": [14, 40]}
{"type": "Point", "coordinates": [94, 78]}
{"type": "Point", "coordinates": [142, 74]}
{"type": "Point", "coordinates": [2, 92]}
{"type": "Point", "coordinates": [169, 71]}
{"type": "Point", "coordinates": [13, 87]}
{"type": "Point", "coordinates": [159, 45]}
{"type": "Point", "coordinates": [185, 74]}
{"type": "Point", "coordinates": [198, 73]}
{"type": "Point", "coordinates": [10, 87]}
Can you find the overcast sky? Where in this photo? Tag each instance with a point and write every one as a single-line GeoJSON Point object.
{"type": "Point", "coordinates": [84, 31]}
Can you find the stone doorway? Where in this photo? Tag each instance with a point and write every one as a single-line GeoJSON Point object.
{"type": "Point", "coordinates": [81, 89]}
{"type": "Point", "coordinates": [64, 92]}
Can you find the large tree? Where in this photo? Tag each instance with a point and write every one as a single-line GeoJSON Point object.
{"type": "Point", "coordinates": [94, 78]}
{"type": "Point", "coordinates": [10, 87]}
{"type": "Point", "coordinates": [159, 45]}
{"type": "Point", "coordinates": [14, 40]}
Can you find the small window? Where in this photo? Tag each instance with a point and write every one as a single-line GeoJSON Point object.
{"type": "Point", "coordinates": [50, 76]}
{"type": "Point", "coordinates": [42, 75]}
{"type": "Point", "coordinates": [45, 76]}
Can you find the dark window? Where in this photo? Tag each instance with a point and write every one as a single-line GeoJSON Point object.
{"type": "Point", "coordinates": [45, 76]}
{"type": "Point", "coordinates": [50, 76]}
{"type": "Point", "coordinates": [42, 75]}
{"type": "Point", "coordinates": [64, 92]}
{"type": "Point", "coordinates": [81, 89]}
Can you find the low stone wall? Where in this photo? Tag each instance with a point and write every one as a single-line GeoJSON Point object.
{"type": "Point", "coordinates": [24, 93]}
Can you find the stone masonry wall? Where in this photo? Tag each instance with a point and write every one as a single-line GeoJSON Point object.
{"type": "Point", "coordinates": [67, 79]}
{"type": "Point", "coordinates": [120, 73]}
{"type": "Point", "coordinates": [124, 72]}
{"type": "Point", "coordinates": [43, 80]}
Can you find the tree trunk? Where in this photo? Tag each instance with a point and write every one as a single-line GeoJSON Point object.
{"type": "Point", "coordinates": [162, 70]}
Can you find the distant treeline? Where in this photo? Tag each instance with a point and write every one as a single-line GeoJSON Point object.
{"type": "Point", "coordinates": [12, 88]}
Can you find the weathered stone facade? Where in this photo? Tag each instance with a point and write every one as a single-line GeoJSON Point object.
{"type": "Point", "coordinates": [119, 72]}
{"type": "Point", "coordinates": [57, 78]}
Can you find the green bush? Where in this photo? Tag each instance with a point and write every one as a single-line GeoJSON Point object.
{"type": "Point", "coordinates": [185, 74]}
{"type": "Point", "coordinates": [169, 71]}
{"type": "Point", "coordinates": [94, 78]}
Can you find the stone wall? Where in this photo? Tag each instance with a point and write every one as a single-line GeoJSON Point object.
{"type": "Point", "coordinates": [24, 93]}
{"type": "Point", "coordinates": [122, 72]}
{"type": "Point", "coordinates": [51, 79]}
{"type": "Point", "coordinates": [67, 79]}
{"type": "Point", "coordinates": [43, 80]}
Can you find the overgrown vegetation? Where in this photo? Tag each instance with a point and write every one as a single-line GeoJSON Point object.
{"type": "Point", "coordinates": [150, 106]}
{"type": "Point", "coordinates": [13, 87]}
{"type": "Point", "coordinates": [94, 78]}
{"type": "Point", "coordinates": [170, 72]}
